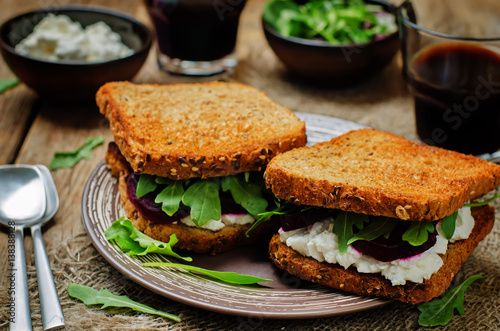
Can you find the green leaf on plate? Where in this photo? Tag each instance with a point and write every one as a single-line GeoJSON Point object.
{"type": "Point", "coordinates": [70, 159]}
{"type": "Point", "coordinates": [134, 242]}
{"type": "Point", "coordinates": [440, 311]}
{"type": "Point", "coordinates": [8, 83]}
{"type": "Point", "coordinates": [227, 277]}
{"type": "Point", "coordinates": [90, 296]}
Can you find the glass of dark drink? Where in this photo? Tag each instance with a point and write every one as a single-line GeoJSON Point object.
{"type": "Point", "coordinates": [196, 37]}
{"type": "Point", "coordinates": [451, 60]}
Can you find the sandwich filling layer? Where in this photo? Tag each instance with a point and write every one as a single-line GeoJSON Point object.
{"type": "Point", "coordinates": [226, 219]}
{"type": "Point", "coordinates": [164, 201]}
{"type": "Point", "coordinates": [318, 241]}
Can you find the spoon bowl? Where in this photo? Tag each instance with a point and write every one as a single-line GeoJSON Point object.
{"type": "Point", "coordinates": [22, 202]}
{"type": "Point", "coordinates": [22, 194]}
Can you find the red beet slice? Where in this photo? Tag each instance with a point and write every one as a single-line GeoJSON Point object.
{"type": "Point", "coordinates": [147, 206]}
{"type": "Point", "coordinates": [298, 220]}
{"type": "Point", "coordinates": [393, 248]}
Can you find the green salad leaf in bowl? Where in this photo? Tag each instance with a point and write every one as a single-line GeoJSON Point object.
{"type": "Point", "coordinates": [338, 22]}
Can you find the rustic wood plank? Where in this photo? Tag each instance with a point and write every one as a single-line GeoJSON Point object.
{"type": "Point", "coordinates": [17, 106]}
{"type": "Point", "coordinates": [56, 127]}
{"type": "Point", "coordinates": [381, 102]}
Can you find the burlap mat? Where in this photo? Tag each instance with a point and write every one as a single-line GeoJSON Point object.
{"type": "Point", "coordinates": [76, 261]}
{"type": "Point", "coordinates": [381, 102]}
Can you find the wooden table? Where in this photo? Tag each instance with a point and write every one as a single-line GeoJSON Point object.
{"type": "Point", "coordinates": [33, 129]}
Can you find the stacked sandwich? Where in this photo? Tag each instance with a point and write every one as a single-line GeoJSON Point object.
{"type": "Point", "coordinates": [372, 213]}
{"type": "Point", "coordinates": [190, 158]}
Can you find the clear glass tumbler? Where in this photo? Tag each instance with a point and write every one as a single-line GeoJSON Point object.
{"type": "Point", "coordinates": [196, 37]}
{"type": "Point", "coordinates": [451, 61]}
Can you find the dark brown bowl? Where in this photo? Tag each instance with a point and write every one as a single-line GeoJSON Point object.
{"type": "Point", "coordinates": [338, 65]}
{"type": "Point", "coordinates": [74, 80]}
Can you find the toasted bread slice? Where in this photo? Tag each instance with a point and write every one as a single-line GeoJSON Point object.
{"type": "Point", "coordinates": [368, 284]}
{"type": "Point", "coordinates": [195, 239]}
{"type": "Point", "coordinates": [378, 173]}
{"type": "Point", "coordinates": [203, 130]}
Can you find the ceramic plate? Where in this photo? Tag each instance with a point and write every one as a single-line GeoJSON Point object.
{"type": "Point", "coordinates": [286, 297]}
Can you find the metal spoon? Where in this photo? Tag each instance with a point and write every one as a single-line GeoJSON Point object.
{"type": "Point", "coordinates": [52, 315]}
{"type": "Point", "coordinates": [22, 202]}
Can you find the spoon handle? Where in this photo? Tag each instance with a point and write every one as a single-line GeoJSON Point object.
{"type": "Point", "coordinates": [20, 314]}
{"type": "Point", "coordinates": [52, 315]}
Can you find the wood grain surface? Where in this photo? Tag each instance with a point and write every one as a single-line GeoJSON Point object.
{"type": "Point", "coordinates": [32, 129]}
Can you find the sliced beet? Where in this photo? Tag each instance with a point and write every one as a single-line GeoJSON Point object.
{"type": "Point", "coordinates": [393, 248]}
{"type": "Point", "coordinates": [147, 206]}
{"type": "Point", "coordinates": [301, 219]}
{"type": "Point", "coordinates": [229, 206]}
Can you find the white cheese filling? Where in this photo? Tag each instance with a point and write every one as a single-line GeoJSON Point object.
{"type": "Point", "coordinates": [226, 219]}
{"type": "Point", "coordinates": [319, 242]}
{"type": "Point", "coordinates": [59, 38]}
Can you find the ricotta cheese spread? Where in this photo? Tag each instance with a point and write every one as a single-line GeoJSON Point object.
{"type": "Point", "coordinates": [58, 38]}
{"type": "Point", "coordinates": [226, 219]}
{"type": "Point", "coordinates": [319, 242]}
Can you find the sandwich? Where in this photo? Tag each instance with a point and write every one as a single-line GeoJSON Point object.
{"type": "Point", "coordinates": [374, 214]}
{"type": "Point", "coordinates": [190, 158]}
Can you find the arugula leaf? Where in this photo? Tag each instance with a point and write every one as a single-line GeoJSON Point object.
{"type": "Point", "coordinates": [280, 14]}
{"type": "Point", "coordinates": [70, 159]}
{"type": "Point", "coordinates": [145, 185]}
{"type": "Point", "coordinates": [482, 203]}
{"type": "Point", "coordinates": [343, 227]}
{"type": "Point", "coordinates": [203, 198]}
{"type": "Point", "coordinates": [8, 83]}
{"type": "Point", "coordinates": [90, 296]}
{"type": "Point", "coordinates": [448, 225]}
{"type": "Point", "coordinates": [227, 277]}
{"type": "Point", "coordinates": [170, 198]}
{"type": "Point", "coordinates": [134, 242]}
{"type": "Point", "coordinates": [440, 311]}
{"type": "Point", "coordinates": [282, 208]}
{"type": "Point", "coordinates": [334, 21]}
{"type": "Point", "coordinates": [245, 193]}
{"type": "Point", "coordinates": [379, 226]}
{"type": "Point", "coordinates": [418, 233]}
{"type": "Point", "coordinates": [166, 181]}
{"type": "Point", "coordinates": [202, 195]}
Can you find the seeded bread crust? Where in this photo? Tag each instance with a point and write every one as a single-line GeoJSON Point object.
{"type": "Point", "coordinates": [195, 239]}
{"type": "Point", "coordinates": [378, 173]}
{"type": "Point", "coordinates": [367, 284]}
{"type": "Point", "coordinates": [203, 130]}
